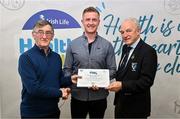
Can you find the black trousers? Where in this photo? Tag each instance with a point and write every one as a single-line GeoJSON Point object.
{"type": "Point", "coordinates": [119, 115]}
{"type": "Point", "coordinates": [95, 109]}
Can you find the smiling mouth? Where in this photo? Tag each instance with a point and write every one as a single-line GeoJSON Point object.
{"type": "Point", "coordinates": [126, 39]}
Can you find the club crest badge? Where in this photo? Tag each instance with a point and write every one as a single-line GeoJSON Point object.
{"type": "Point", "coordinates": [134, 66]}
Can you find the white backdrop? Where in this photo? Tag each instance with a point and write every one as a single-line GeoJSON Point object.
{"type": "Point", "coordinates": [160, 21]}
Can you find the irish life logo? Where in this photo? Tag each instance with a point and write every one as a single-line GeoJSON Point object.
{"type": "Point", "coordinates": [65, 27]}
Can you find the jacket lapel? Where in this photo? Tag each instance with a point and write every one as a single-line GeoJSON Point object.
{"type": "Point", "coordinates": [132, 58]}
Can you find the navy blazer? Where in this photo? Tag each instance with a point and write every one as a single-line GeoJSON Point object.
{"type": "Point", "coordinates": [137, 78]}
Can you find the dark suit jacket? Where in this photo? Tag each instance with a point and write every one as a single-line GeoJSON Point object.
{"type": "Point", "coordinates": [134, 99]}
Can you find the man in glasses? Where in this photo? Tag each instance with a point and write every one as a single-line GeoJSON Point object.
{"type": "Point", "coordinates": [43, 81]}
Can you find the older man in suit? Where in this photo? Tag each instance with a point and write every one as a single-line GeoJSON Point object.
{"type": "Point", "coordinates": [135, 75]}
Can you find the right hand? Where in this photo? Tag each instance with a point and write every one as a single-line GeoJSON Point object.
{"type": "Point", "coordinates": [74, 78]}
{"type": "Point", "coordinates": [65, 93]}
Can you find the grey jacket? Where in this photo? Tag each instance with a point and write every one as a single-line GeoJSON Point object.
{"type": "Point", "coordinates": [101, 57]}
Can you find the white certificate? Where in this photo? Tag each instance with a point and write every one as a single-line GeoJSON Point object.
{"type": "Point", "coordinates": [98, 77]}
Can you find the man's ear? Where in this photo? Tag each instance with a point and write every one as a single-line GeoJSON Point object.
{"type": "Point", "coordinates": [33, 34]}
{"type": "Point", "coordinates": [52, 36]}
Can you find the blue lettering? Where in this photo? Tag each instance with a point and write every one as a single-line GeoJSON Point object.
{"type": "Point", "coordinates": [25, 46]}
{"type": "Point", "coordinates": [166, 29]}
{"type": "Point", "coordinates": [149, 27]}
{"type": "Point", "coordinates": [168, 48]}
{"type": "Point", "coordinates": [58, 46]}
{"type": "Point", "coordinates": [178, 48]}
{"type": "Point", "coordinates": [178, 28]}
{"type": "Point", "coordinates": [158, 67]}
{"type": "Point", "coordinates": [171, 68]}
{"type": "Point", "coordinates": [63, 44]}
{"type": "Point", "coordinates": [114, 27]}
{"type": "Point", "coordinates": [118, 46]}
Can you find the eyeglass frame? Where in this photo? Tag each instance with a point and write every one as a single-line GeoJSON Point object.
{"type": "Point", "coordinates": [42, 33]}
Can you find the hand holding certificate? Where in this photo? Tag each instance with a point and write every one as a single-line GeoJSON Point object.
{"type": "Point", "coordinates": [90, 77]}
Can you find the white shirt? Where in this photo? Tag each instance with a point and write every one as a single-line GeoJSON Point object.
{"type": "Point", "coordinates": [133, 47]}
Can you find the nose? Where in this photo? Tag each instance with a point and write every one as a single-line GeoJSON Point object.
{"type": "Point", "coordinates": [90, 22]}
{"type": "Point", "coordinates": [44, 35]}
{"type": "Point", "coordinates": [125, 34]}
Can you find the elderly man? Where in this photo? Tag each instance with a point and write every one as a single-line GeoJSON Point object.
{"type": "Point", "coordinates": [135, 75]}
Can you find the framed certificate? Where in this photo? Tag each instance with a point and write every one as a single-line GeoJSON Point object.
{"type": "Point", "coordinates": [98, 77]}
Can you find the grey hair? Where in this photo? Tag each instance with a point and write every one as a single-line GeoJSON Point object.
{"type": "Point", "coordinates": [135, 21]}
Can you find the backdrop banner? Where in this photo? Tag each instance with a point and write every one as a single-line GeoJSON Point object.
{"type": "Point", "coordinates": [159, 20]}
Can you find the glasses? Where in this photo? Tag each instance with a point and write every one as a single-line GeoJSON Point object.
{"type": "Point", "coordinates": [42, 33]}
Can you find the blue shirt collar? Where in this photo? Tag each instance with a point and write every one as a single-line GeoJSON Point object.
{"type": "Point", "coordinates": [41, 50]}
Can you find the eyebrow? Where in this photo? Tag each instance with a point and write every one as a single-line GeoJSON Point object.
{"type": "Point", "coordinates": [46, 31]}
